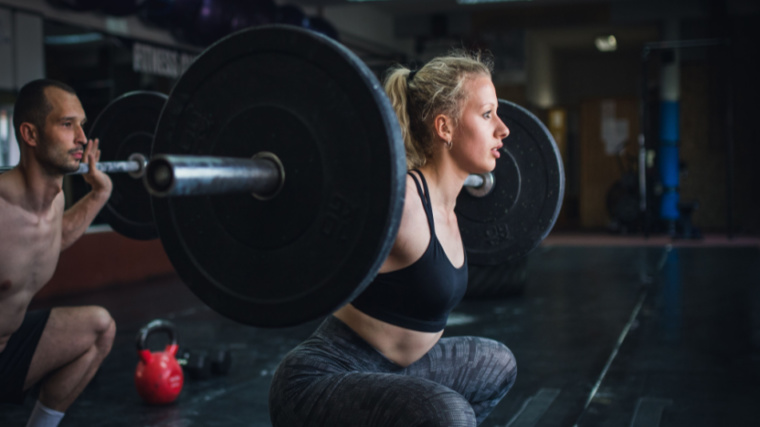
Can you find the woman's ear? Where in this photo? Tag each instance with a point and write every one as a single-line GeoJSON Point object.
{"type": "Point", "coordinates": [28, 134]}
{"type": "Point", "coordinates": [444, 127]}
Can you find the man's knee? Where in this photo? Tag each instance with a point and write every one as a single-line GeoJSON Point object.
{"type": "Point", "coordinates": [103, 325]}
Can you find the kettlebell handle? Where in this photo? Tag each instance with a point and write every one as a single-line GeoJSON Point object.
{"type": "Point", "coordinates": [158, 325]}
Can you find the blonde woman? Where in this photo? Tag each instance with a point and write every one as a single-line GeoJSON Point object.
{"type": "Point", "coordinates": [381, 360]}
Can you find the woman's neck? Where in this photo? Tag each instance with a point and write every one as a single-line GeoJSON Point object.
{"type": "Point", "coordinates": [445, 182]}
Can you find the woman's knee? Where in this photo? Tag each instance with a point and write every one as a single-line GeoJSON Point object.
{"type": "Point", "coordinates": [505, 375]}
{"type": "Point", "coordinates": [510, 365]}
{"type": "Point", "coordinates": [502, 360]}
{"type": "Point", "coordinates": [447, 409]}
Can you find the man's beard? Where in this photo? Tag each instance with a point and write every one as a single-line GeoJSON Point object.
{"type": "Point", "coordinates": [57, 162]}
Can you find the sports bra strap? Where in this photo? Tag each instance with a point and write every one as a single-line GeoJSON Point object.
{"type": "Point", "coordinates": [425, 197]}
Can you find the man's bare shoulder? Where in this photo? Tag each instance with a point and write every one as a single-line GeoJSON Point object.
{"type": "Point", "coordinates": [10, 189]}
{"type": "Point", "coordinates": [14, 196]}
{"type": "Point", "coordinates": [30, 238]}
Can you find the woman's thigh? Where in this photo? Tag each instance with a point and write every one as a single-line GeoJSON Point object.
{"type": "Point", "coordinates": [336, 379]}
{"type": "Point", "coordinates": [368, 399]}
{"type": "Point", "coordinates": [480, 369]}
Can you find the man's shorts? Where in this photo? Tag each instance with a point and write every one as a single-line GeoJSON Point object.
{"type": "Point", "coordinates": [17, 356]}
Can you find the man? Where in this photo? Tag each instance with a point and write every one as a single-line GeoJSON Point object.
{"type": "Point", "coordinates": [60, 348]}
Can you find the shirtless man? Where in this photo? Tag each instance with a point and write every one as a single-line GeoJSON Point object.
{"type": "Point", "coordinates": [63, 347]}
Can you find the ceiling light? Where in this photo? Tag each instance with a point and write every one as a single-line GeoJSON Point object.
{"type": "Point", "coordinates": [606, 43]}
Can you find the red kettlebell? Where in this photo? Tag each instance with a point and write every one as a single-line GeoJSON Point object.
{"type": "Point", "coordinates": [158, 376]}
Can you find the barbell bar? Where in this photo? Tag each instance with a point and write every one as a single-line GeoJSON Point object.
{"type": "Point", "coordinates": [176, 175]}
{"type": "Point", "coordinates": [262, 176]}
{"type": "Point", "coordinates": [134, 166]}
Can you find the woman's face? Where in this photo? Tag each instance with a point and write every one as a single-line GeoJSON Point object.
{"type": "Point", "coordinates": [477, 137]}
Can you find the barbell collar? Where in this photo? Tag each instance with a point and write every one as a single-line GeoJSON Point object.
{"type": "Point", "coordinates": [479, 185]}
{"type": "Point", "coordinates": [185, 175]}
{"type": "Point", "coordinates": [474, 180]}
{"type": "Point", "coordinates": [141, 162]}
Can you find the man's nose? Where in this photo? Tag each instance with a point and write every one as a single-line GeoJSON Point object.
{"type": "Point", "coordinates": [80, 136]}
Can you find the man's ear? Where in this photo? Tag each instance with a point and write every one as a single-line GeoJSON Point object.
{"type": "Point", "coordinates": [29, 134]}
{"type": "Point", "coordinates": [444, 127]}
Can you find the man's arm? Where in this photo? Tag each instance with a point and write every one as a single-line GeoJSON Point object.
{"type": "Point", "coordinates": [77, 218]}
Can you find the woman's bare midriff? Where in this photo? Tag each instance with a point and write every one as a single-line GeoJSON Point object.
{"type": "Point", "coordinates": [401, 346]}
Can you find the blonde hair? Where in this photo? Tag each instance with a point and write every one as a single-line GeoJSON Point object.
{"type": "Point", "coordinates": [436, 88]}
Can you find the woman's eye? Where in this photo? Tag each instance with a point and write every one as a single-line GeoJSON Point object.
{"type": "Point", "coordinates": [487, 115]}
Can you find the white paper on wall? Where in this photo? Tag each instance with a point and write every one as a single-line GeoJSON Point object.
{"type": "Point", "coordinates": [614, 131]}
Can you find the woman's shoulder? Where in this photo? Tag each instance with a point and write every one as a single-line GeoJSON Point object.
{"type": "Point", "coordinates": [413, 234]}
{"type": "Point", "coordinates": [413, 199]}
{"type": "Point", "coordinates": [414, 222]}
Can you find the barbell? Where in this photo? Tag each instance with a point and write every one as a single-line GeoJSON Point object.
{"type": "Point", "coordinates": [291, 163]}
{"type": "Point", "coordinates": [262, 176]}
{"type": "Point", "coordinates": [242, 169]}
{"type": "Point", "coordinates": [127, 124]}
{"type": "Point", "coordinates": [299, 104]}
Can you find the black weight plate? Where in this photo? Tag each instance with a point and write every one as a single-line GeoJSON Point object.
{"type": "Point", "coordinates": [125, 127]}
{"type": "Point", "coordinates": [529, 184]}
{"type": "Point", "coordinates": [320, 241]}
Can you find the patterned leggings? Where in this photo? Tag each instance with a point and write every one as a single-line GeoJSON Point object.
{"type": "Point", "coordinates": [335, 378]}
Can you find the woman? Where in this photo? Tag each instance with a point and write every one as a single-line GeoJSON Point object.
{"type": "Point", "coordinates": [381, 361]}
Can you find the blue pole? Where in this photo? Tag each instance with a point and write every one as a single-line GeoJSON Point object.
{"type": "Point", "coordinates": [668, 153]}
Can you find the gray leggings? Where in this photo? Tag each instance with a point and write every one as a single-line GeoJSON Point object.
{"type": "Point", "coordinates": [335, 378]}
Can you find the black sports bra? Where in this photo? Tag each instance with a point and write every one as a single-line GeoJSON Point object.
{"type": "Point", "coordinates": [419, 296]}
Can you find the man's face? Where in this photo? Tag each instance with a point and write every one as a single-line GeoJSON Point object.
{"type": "Point", "coordinates": [62, 139]}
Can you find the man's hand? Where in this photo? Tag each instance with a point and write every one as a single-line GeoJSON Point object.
{"type": "Point", "coordinates": [99, 181]}
{"type": "Point", "coordinates": [77, 218]}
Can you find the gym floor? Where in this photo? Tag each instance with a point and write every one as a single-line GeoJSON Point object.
{"type": "Point", "coordinates": [609, 332]}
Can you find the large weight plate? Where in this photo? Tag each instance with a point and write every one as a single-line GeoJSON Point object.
{"type": "Point", "coordinates": [126, 127]}
{"type": "Point", "coordinates": [320, 241]}
{"type": "Point", "coordinates": [529, 184]}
